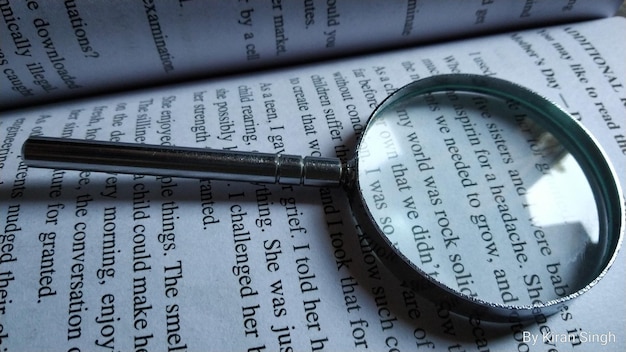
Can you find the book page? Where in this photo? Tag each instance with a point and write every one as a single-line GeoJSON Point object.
{"type": "Point", "coordinates": [100, 261]}
{"type": "Point", "coordinates": [51, 49]}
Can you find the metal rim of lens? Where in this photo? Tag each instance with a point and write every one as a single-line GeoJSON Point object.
{"type": "Point", "coordinates": [573, 135]}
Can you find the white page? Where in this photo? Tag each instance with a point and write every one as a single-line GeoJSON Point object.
{"type": "Point", "coordinates": [220, 281]}
{"type": "Point", "coordinates": [54, 49]}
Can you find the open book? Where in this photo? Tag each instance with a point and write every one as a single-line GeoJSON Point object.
{"type": "Point", "coordinates": [95, 261]}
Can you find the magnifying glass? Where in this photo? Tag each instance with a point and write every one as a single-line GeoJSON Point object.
{"type": "Point", "coordinates": [470, 189]}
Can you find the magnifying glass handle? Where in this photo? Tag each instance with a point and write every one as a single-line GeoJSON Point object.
{"type": "Point", "coordinates": [114, 157]}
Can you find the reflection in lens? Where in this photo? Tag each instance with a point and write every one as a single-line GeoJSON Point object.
{"type": "Point", "coordinates": [476, 194]}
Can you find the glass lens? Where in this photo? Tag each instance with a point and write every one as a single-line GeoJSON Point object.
{"type": "Point", "coordinates": [474, 192]}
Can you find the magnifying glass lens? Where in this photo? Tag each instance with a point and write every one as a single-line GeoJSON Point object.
{"type": "Point", "coordinates": [476, 195]}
